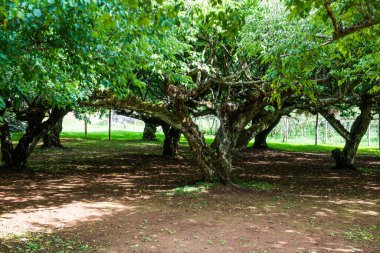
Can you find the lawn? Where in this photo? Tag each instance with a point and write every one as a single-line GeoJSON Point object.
{"type": "Point", "coordinates": [273, 144]}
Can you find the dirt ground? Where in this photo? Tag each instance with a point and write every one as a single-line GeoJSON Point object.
{"type": "Point", "coordinates": [100, 196]}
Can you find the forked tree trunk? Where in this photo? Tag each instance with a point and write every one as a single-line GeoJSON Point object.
{"type": "Point", "coordinates": [171, 142]}
{"type": "Point", "coordinates": [215, 162]}
{"type": "Point", "coordinates": [29, 140]}
{"type": "Point", "coordinates": [261, 138]}
{"type": "Point", "coordinates": [244, 138]}
{"type": "Point", "coordinates": [52, 138]}
{"type": "Point", "coordinates": [150, 129]}
{"type": "Point", "coordinates": [262, 125]}
{"type": "Point", "coordinates": [345, 159]}
{"type": "Point", "coordinates": [35, 130]}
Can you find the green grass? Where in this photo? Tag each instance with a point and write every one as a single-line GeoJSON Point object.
{"type": "Point", "coordinates": [319, 148]}
{"type": "Point", "coordinates": [42, 242]}
{"type": "Point", "coordinates": [357, 233]}
{"type": "Point", "coordinates": [370, 171]}
{"type": "Point", "coordinates": [262, 186]}
{"type": "Point", "coordinates": [119, 135]}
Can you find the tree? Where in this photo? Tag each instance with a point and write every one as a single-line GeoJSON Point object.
{"type": "Point", "coordinates": [264, 121]}
{"type": "Point", "coordinates": [221, 79]}
{"type": "Point", "coordinates": [172, 135]}
{"type": "Point", "coordinates": [336, 76]}
{"type": "Point", "coordinates": [47, 65]}
{"type": "Point", "coordinates": [345, 17]}
{"type": "Point", "coordinates": [149, 133]}
{"type": "Point", "coordinates": [52, 138]}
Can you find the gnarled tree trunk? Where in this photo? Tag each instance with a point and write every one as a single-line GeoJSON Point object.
{"type": "Point", "coordinates": [171, 142]}
{"type": "Point", "coordinates": [6, 145]}
{"type": "Point", "coordinates": [345, 159]}
{"type": "Point", "coordinates": [215, 161]}
{"type": "Point", "coordinates": [261, 138]}
{"type": "Point", "coordinates": [262, 124]}
{"type": "Point", "coordinates": [17, 157]}
{"type": "Point", "coordinates": [52, 138]}
{"type": "Point", "coordinates": [150, 129]}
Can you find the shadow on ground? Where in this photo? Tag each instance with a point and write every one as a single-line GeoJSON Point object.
{"type": "Point", "coordinates": [111, 195]}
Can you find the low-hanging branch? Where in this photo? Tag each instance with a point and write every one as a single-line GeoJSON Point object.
{"type": "Point", "coordinates": [335, 123]}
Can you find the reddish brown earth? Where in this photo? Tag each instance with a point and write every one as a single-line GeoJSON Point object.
{"type": "Point", "coordinates": [112, 197]}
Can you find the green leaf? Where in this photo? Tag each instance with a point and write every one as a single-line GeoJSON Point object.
{"type": "Point", "coordinates": [2, 104]}
{"type": "Point", "coordinates": [37, 13]}
{"type": "Point", "coordinates": [144, 21]}
{"type": "Point", "coordinates": [133, 3]}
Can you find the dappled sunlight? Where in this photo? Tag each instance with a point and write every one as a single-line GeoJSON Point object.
{"type": "Point", "coordinates": [46, 219]}
{"type": "Point", "coordinates": [363, 212]}
{"type": "Point", "coordinates": [120, 193]}
{"type": "Point", "coordinates": [354, 202]}
{"type": "Point", "coordinates": [325, 213]}
{"type": "Point", "coordinates": [269, 176]}
{"type": "Point", "coordinates": [310, 196]}
{"type": "Point", "coordinates": [342, 248]}
{"type": "Point", "coordinates": [375, 187]}
{"type": "Point", "coordinates": [291, 231]}
{"type": "Point", "coordinates": [281, 245]}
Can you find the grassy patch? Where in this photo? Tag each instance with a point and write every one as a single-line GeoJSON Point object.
{"type": "Point", "coordinates": [191, 189]}
{"type": "Point", "coordinates": [262, 186]}
{"type": "Point", "coordinates": [119, 135]}
{"type": "Point", "coordinates": [292, 147]}
{"type": "Point", "coordinates": [370, 171]}
{"type": "Point", "coordinates": [357, 233]}
{"type": "Point", "coordinates": [41, 242]}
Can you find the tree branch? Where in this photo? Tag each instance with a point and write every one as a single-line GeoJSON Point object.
{"type": "Point", "coordinates": [335, 123]}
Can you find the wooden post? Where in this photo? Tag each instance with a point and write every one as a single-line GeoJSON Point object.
{"type": "Point", "coordinates": [109, 124]}
{"type": "Point", "coordinates": [316, 129]}
{"type": "Point", "coordinates": [85, 128]}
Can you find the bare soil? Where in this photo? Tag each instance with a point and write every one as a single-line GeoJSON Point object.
{"type": "Point", "coordinates": [112, 197]}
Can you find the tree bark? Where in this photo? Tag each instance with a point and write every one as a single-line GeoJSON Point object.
{"type": "Point", "coordinates": [260, 123]}
{"type": "Point", "coordinates": [261, 138]}
{"type": "Point", "coordinates": [6, 145]}
{"type": "Point", "coordinates": [245, 137]}
{"type": "Point", "coordinates": [35, 130]}
{"type": "Point", "coordinates": [215, 160]}
{"type": "Point", "coordinates": [345, 159]}
{"type": "Point", "coordinates": [52, 138]}
{"type": "Point", "coordinates": [150, 129]}
{"type": "Point", "coordinates": [171, 142]}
